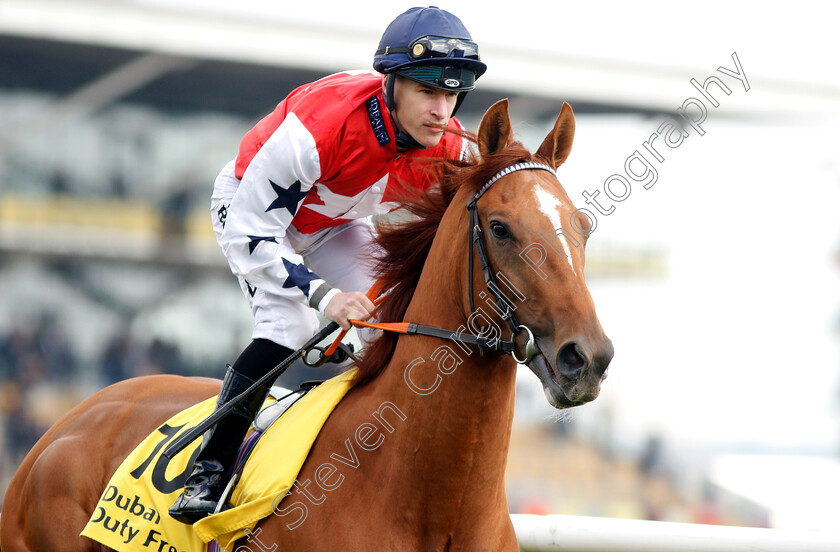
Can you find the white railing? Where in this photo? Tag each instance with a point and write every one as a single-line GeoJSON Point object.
{"type": "Point", "coordinates": [561, 533]}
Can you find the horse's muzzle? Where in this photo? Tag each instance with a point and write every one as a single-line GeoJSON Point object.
{"type": "Point", "coordinates": [575, 376]}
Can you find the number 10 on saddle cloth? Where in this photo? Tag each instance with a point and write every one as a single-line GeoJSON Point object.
{"type": "Point", "coordinates": [131, 515]}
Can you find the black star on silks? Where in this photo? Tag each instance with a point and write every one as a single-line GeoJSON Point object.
{"type": "Point", "coordinates": [255, 241]}
{"type": "Point", "coordinates": [286, 198]}
{"type": "Point", "coordinates": [252, 290]}
{"type": "Point", "coordinates": [299, 276]}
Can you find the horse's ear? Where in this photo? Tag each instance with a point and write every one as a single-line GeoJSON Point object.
{"type": "Point", "coordinates": [558, 144]}
{"type": "Point", "coordinates": [494, 132]}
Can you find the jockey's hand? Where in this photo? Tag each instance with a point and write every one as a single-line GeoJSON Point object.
{"type": "Point", "coordinates": [344, 307]}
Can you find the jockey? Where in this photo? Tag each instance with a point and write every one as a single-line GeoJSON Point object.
{"type": "Point", "coordinates": [292, 210]}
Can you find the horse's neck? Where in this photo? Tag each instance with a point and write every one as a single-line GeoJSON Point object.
{"type": "Point", "coordinates": [453, 443]}
{"type": "Point", "coordinates": [466, 412]}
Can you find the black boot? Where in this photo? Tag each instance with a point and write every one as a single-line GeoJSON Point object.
{"type": "Point", "coordinates": [205, 485]}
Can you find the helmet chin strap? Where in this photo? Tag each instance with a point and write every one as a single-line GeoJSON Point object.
{"type": "Point", "coordinates": [405, 140]}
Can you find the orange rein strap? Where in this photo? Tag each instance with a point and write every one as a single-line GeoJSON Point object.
{"type": "Point", "coordinates": [396, 327]}
{"type": "Point", "coordinates": [412, 328]}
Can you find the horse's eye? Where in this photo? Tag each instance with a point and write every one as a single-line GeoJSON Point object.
{"type": "Point", "coordinates": [500, 230]}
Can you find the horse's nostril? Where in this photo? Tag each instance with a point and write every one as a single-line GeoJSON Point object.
{"type": "Point", "coordinates": [570, 359]}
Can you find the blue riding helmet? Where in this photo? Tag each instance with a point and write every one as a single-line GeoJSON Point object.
{"type": "Point", "coordinates": [430, 46]}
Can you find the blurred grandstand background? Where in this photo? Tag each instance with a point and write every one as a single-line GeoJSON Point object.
{"type": "Point", "coordinates": [115, 117]}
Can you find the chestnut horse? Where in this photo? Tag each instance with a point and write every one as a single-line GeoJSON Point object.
{"type": "Point", "coordinates": [424, 434]}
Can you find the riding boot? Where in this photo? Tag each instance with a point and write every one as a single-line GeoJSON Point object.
{"type": "Point", "coordinates": [205, 485]}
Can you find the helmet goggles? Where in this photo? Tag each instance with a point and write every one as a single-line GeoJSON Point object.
{"type": "Point", "coordinates": [442, 46]}
{"type": "Point", "coordinates": [427, 47]}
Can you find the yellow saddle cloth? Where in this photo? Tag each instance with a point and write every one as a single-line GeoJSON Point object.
{"type": "Point", "coordinates": [132, 513]}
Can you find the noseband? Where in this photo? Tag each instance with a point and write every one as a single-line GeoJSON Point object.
{"type": "Point", "coordinates": [477, 245]}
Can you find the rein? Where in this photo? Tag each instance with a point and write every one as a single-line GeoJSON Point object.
{"type": "Point", "coordinates": [477, 245]}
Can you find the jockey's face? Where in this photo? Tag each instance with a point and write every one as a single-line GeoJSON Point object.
{"type": "Point", "coordinates": [422, 111]}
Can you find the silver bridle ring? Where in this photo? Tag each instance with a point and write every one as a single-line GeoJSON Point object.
{"type": "Point", "coordinates": [531, 349]}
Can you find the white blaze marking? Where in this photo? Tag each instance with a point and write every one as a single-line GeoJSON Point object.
{"type": "Point", "coordinates": [549, 205]}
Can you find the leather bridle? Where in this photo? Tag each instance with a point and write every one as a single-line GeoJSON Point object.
{"type": "Point", "coordinates": [477, 245]}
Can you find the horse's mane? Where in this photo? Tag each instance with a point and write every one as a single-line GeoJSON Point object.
{"type": "Point", "coordinates": [401, 248]}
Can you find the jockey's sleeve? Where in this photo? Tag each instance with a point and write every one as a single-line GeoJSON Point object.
{"type": "Point", "coordinates": [272, 187]}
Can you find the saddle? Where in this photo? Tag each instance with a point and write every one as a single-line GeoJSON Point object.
{"type": "Point", "coordinates": [131, 515]}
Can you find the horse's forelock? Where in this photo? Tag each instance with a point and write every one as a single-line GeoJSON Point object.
{"type": "Point", "coordinates": [403, 247]}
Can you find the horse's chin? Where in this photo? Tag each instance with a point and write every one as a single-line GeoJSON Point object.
{"type": "Point", "coordinates": [562, 391]}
